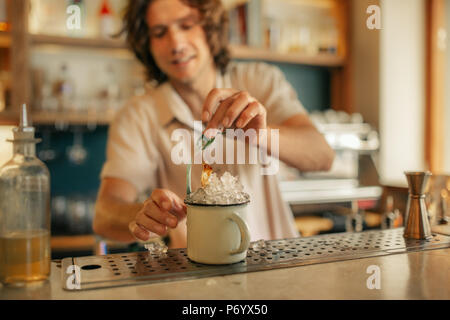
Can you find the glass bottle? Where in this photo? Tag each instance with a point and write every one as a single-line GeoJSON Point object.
{"type": "Point", "coordinates": [24, 211]}
{"type": "Point", "coordinates": [106, 27]}
{"type": "Point", "coordinates": [64, 89]}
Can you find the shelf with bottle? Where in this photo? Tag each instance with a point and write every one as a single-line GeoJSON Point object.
{"type": "Point", "coordinates": [81, 89]}
{"type": "Point", "coordinates": [256, 32]}
{"type": "Point", "coordinates": [301, 31]}
{"type": "Point", "coordinates": [249, 53]}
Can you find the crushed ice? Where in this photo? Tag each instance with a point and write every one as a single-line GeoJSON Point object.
{"type": "Point", "coordinates": [259, 245]}
{"type": "Point", "coordinates": [157, 248]}
{"type": "Point", "coordinates": [224, 190]}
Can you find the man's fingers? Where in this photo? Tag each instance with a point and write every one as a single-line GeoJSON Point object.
{"type": "Point", "coordinates": [181, 208]}
{"type": "Point", "coordinates": [212, 101]}
{"type": "Point", "coordinates": [138, 232]}
{"type": "Point", "coordinates": [149, 224]}
{"type": "Point", "coordinates": [162, 199]}
{"type": "Point", "coordinates": [152, 211]}
{"type": "Point", "coordinates": [253, 110]}
{"type": "Point", "coordinates": [241, 102]}
{"type": "Point", "coordinates": [215, 124]}
{"type": "Point", "coordinates": [168, 201]}
{"type": "Point", "coordinates": [159, 212]}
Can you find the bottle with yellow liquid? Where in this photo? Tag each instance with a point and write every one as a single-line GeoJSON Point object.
{"type": "Point", "coordinates": [24, 211]}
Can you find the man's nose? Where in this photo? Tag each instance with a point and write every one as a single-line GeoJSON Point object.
{"type": "Point", "coordinates": [176, 39]}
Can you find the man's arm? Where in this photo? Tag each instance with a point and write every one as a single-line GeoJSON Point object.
{"type": "Point", "coordinates": [117, 217]}
{"type": "Point", "coordinates": [302, 146]}
{"type": "Point", "coordinates": [115, 209]}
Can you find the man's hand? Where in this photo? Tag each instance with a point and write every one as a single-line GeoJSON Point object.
{"type": "Point", "coordinates": [163, 209]}
{"type": "Point", "coordinates": [225, 107]}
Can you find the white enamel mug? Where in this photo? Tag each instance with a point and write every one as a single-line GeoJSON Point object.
{"type": "Point", "coordinates": [217, 234]}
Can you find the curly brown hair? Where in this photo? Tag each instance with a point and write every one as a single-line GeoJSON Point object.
{"type": "Point", "coordinates": [214, 20]}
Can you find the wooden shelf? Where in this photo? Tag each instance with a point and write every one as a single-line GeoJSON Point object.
{"type": "Point", "coordinates": [99, 43]}
{"type": "Point", "coordinates": [5, 39]}
{"type": "Point", "coordinates": [70, 118]}
{"type": "Point", "coordinates": [238, 52]}
{"type": "Point", "coordinates": [324, 59]}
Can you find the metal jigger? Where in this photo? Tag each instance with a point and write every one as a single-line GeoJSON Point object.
{"type": "Point", "coordinates": [417, 225]}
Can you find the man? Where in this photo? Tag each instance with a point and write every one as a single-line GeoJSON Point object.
{"type": "Point", "coordinates": [182, 44]}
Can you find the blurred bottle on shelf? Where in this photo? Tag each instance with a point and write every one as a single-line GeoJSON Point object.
{"type": "Point", "coordinates": [238, 25]}
{"type": "Point", "coordinates": [273, 34]}
{"type": "Point", "coordinates": [254, 24]}
{"type": "Point", "coordinates": [297, 26]}
{"type": "Point", "coordinates": [64, 89]}
{"type": "Point", "coordinates": [106, 20]}
{"type": "Point", "coordinates": [299, 37]}
{"type": "Point", "coordinates": [110, 93]}
{"type": "Point", "coordinates": [43, 97]}
{"type": "Point", "coordinates": [37, 84]}
{"type": "Point", "coordinates": [304, 38]}
{"type": "Point", "coordinates": [328, 36]}
{"type": "Point", "coordinates": [112, 88]}
{"type": "Point", "coordinates": [4, 23]}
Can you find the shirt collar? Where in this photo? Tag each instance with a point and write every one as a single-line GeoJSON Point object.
{"type": "Point", "coordinates": [172, 107]}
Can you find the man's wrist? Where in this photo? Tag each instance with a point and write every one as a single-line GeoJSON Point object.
{"type": "Point", "coordinates": [264, 138]}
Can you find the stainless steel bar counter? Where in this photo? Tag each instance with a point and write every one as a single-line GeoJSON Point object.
{"type": "Point", "coordinates": [409, 275]}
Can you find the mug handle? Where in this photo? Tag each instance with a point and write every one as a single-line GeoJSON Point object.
{"type": "Point", "coordinates": [245, 233]}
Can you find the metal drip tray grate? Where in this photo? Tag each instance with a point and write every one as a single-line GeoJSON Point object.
{"type": "Point", "coordinates": [143, 268]}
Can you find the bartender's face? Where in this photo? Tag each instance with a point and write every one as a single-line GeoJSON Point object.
{"type": "Point", "coordinates": [177, 40]}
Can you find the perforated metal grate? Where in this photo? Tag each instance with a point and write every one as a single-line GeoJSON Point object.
{"type": "Point", "coordinates": [143, 267]}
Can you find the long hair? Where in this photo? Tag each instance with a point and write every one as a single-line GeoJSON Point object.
{"type": "Point", "coordinates": [214, 20]}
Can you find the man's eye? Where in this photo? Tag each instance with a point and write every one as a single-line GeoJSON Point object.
{"type": "Point", "coordinates": [159, 33]}
{"type": "Point", "coordinates": [187, 25]}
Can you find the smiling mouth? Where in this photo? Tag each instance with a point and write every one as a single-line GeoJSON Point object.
{"type": "Point", "coordinates": [182, 61]}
